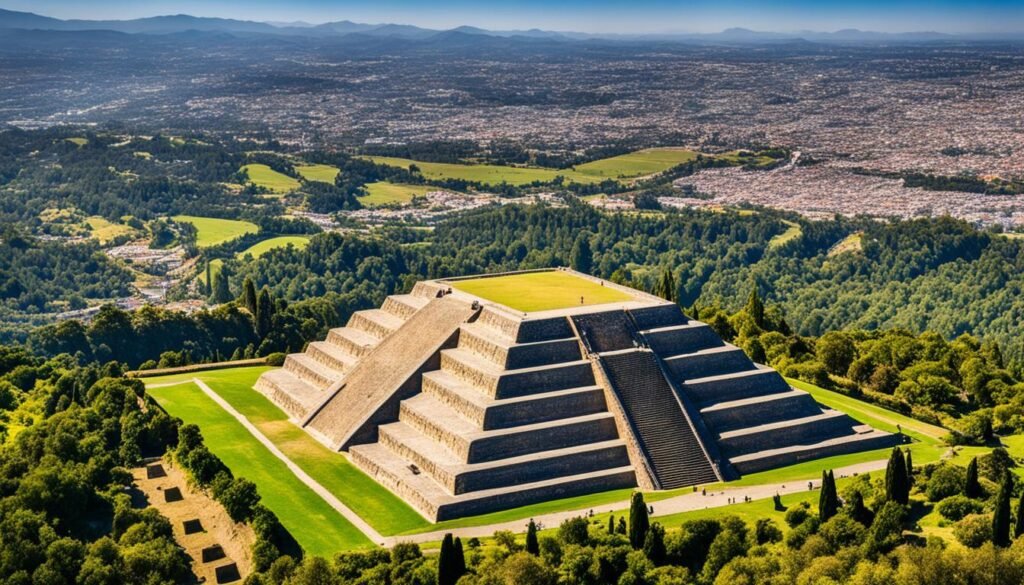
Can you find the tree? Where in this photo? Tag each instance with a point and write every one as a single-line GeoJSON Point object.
{"type": "Point", "coordinates": [972, 488]}
{"type": "Point", "coordinates": [460, 556]}
{"type": "Point", "coordinates": [896, 487]}
{"type": "Point", "coordinates": [611, 524]}
{"type": "Point", "coordinates": [858, 511]}
{"type": "Point", "coordinates": [1001, 515]}
{"type": "Point", "coordinates": [249, 295]}
{"type": "Point", "coordinates": [910, 469]}
{"type": "Point", "coordinates": [654, 544]}
{"type": "Point", "coordinates": [447, 569]}
{"type": "Point", "coordinates": [208, 283]}
{"type": "Point", "coordinates": [582, 256]}
{"type": "Point", "coordinates": [221, 287]}
{"type": "Point", "coordinates": [264, 312]}
{"type": "Point", "coordinates": [666, 287]}
{"type": "Point", "coordinates": [755, 307]}
{"type": "Point", "coordinates": [837, 351]}
{"type": "Point", "coordinates": [828, 500]}
{"type": "Point", "coordinates": [639, 523]}
{"type": "Point", "coordinates": [532, 545]}
{"type": "Point", "coordinates": [239, 499]}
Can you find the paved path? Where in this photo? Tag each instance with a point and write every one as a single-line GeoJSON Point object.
{"type": "Point", "coordinates": [304, 477]}
{"type": "Point", "coordinates": [687, 502]}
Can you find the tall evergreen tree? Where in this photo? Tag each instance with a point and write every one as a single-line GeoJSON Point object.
{"type": "Point", "coordinates": [460, 558]}
{"type": "Point", "coordinates": [208, 285]}
{"type": "Point", "coordinates": [896, 488]}
{"type": "Point", "coordinates": [611, 524]}
{"type": "Point", "coordinates": [264, 312]}
{"type": "Point", "coordinates": [639, 523]}
{"type": "Point", "coordinates": [755, 307]}
{"type": "Point", "coordinates": [532, 545]}
{"type": "Point", "coordinates": [972, 488]}
{"type": "Point", "coordinates": [221, 287]}
{"type": "Point", "coordinates": [1001, 516]}
{"type": "Point", "coordinates": [446, 569]}
{"type": "Point", "coordinates": [249, 295]}
{"type": "Point", "coordinates": [582, 257]}
{"type": "Point", "coordinates": [1018, 527]}
{"type": "Point", "coordinates": [910, 469]}
{"type": "Point", "coordinates": [666, 287]}
{"type": "Point", "coordinates": [654, 544]}
{"type": "Point", "coordinates": [858, 511]}
{"type": "Point", "coordinates": [828, 500]}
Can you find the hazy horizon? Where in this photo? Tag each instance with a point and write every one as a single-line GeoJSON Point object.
{"type": "Point", "coordinates": [602, 16]}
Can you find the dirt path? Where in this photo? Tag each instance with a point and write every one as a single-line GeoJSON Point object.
{"type": "Point", "coordinates": [216, 527]}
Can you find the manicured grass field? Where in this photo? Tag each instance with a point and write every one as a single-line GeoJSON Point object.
{"type": "Point", "coordinates": [376, 505]}
{"type": "Point", "coordinates": [275, 182]}
{"type": "Point", "coordinates": [541, 291]}
{"type": "Point", "coordinates": [320, 529]}
{"type": "Point", "coordinates": [792, 232]}
{"type": "Point", "coordinates": [321, 173]}
{"type": "Point", "coordinates": [214, 231]}
{"type": "Point", "coordinates": [261, 248]}
{"type": "Point", "coordinates": [486, 174]}
{"type": "Point", "coordinates": [104, 230]}
{"type": "Point", "coordinates": [384, 193]}
{"type": "Point", "coordinates": [637, 164]}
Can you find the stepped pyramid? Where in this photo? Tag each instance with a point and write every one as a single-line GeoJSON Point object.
{"type": "Point", "coordinates": [462, 405]}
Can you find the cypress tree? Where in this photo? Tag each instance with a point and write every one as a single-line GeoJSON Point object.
{"type": "Point", "coordinates": [755, 307]}
{"type": "Point", "coordinates": [972, 489]}
{"type": "Point", "coordinates": [860, 512]}
{"type": "Point", "coordinates": [828, 500]}
{"type": "Point", "coordinates": [611, 524]}
{"type": "Point", "coordinates": [460, 558]}
{"type": "Point", "coordinates": [1001, 516]}
{"type": "Point", "coordinates": [666, 287]}
{"type": "Point", "coordinates": [896, 488]}
{"type": "Point", "coordinates": [264, 312]}
{"type": "Point", "coordinates": [582, 257]}
{"type": "Point", "coordinates": [446, 562]}
{"type": "Point", "coordinates": [910, 469]}
{"type": "Point", "coordinates": [654, 544]}
{"type": "Point", "coordinates": [249, 295]}
{"type": "Point", "coordinates": [532, 546]}
{"type": "Point", "coordinates": [620, 526]}
{"type": "Point", "coordinates": [639, 523]}
{"type": "Point", "coordinates": [221, 288]}
{"type": "Point", "coordinates": [208, 285]}
{"type": "Point", "coordinates": [1018, 528]}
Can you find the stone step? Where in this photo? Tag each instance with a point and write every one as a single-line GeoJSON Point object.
{"type": "Point", "coordinates": [491, 344]}
{"type": "Point", "coordinates": [403, 306]}
{"type": "Point", "coordinates": [809, 429]}
{"type": "Point", "coordinates": [761, 381]}
{"type": "Point", "coordinates": [303, 366]}
{"type": "Point", "coordinates": [331, 355]}
{"type": "Point", "coordinates": [376, 322]}
{"type": "Point", "coordinates": [296, 397]}
{"type": "Point", "coordinates": [715, 361]}
{"type": "Point", "coordinates": [488, 413]}
{"type": "Point", "coordinates": [658, 316]}
{"type": "Point", "coordinates": [458, 477]}
{"type": "Point", "coordinates": [473, 445]}
{"type": "Point", "coordinates": [356, 342]}
{"type": "Point", "coordinates": [427, 290]}
{"type": "Point", "coordinates": [863, 438]}
{"type": "Point", "coordinates": [430, 498]}
{"type": "Point", "coordinates": [746, 412]}
{"type": "Point", "coordinates": [678, 339]}
{"type": "Point", "coordinates": [497, 382]}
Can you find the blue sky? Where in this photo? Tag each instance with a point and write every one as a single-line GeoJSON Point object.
{"type": "Point", "coordinates": [637, 16]}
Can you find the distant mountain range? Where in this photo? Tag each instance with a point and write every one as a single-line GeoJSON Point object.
{"type": "Point", "coordinates": [179, 23]}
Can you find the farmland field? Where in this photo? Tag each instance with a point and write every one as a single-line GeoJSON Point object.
{"type": "Point", "coordinates": [105, 230]}
{"type": "Point", "coordinates": [261, 248]}
{"type": "Point", "coordinates": [321, 173]}
{"type": "Point", "coordinates": [541, 291]}
{"type": "Point", "coordinates": [268, 178]}
{"type": "Point", "coordinates": [384, 193]}
{"type": "Point", "coordinates": [213, 231]}
{"type": "Point", "coordinates": [637, 164]}
{"type": "Point", "coordinates": [486, 174]}
{"type": "Point", "coordinates": [793, 231]}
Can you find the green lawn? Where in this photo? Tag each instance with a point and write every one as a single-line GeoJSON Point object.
{"type": "Point", "coordinates": [213, 231]}
{"type": "Point", "coordinates": [384, 193]}
{"type": "Point", "coordinates": [793, 231]}
{"type": "Point", "coordinates": [486, 174]}
{"type": "Point", "coordinates": [541, 291]}
{"type": "Point", "coordinates": [320, 173]}
{"type": "Point", "coordinates": [320, 529]}
{"type": "Point", "coordinates": [637, 164]}
{"type": "Point", "coordinates": [275, 182]}
{"type": "Point", "coordinates": [265, 246]}
{"type": "Point", "coordinates": [377, 506]}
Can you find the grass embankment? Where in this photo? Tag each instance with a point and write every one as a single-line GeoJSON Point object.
{"type": "Point", "coordinates": [319, 173]}
{"type": "Point", "coordinates": [793, 231]}
{"type": "Point", "coordinates": [384, 193]}
{"type": "Point", "coordinates": [261, 248]}
{"type": "Point", "coordinates": [486, 174]}
{"type": "Point", "coordinates": [212, 231]}
{"type": "Point", "coordinates": [541, 291]}
{"type": "Point", "coordinates": [319, 528]}
{"type": "Point", "coordinates": [377, 506]}
{"type": "Point", "coordinates": [268, 178]}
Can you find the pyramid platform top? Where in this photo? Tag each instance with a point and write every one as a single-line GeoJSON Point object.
{"type": "Point", "coordinates": [550, 292]}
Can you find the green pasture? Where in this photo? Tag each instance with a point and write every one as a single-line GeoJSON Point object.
{"type": "Point", "coordinates": [266, 177]}
{"type": "Point", "coordinates": [212, 231]}
{"type": "Point", "coordinates": [261, 248]}
{"type": "Point", "coordinates": [320, 173]}
{"type": "Point", "coordinates": [384, 193]}
{"type": "Point", "coordinates": [541, 291]}
{"type": "Point", "coordinates": [486, 174]}
{"type": "Point", "coordinates": [637, 164]}
{"type": "Point", "coordinates": [320, 529]}
{"type": "Point", "coordinates": [105, 230]}
{"type": "Point", "coordinates": [793, 231]}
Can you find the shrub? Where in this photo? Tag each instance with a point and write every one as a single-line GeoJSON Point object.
{"type": "Point", "coordinates": [796, 515]}
{"type": "Point", "coordinates": [276, 359]}
{"type": "Point", "coordinates": [947, 480]}
{"type": "Point", "coordinates": [958, 506]}
{"type": "Point", "coordinates": [974, 530]}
